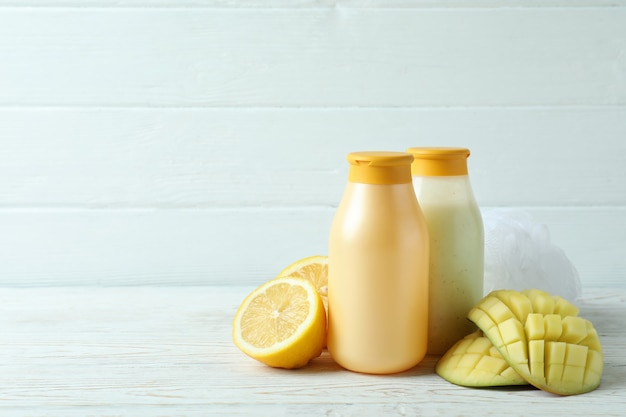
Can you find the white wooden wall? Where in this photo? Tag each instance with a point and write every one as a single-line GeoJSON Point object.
{"type": "Point", "coordinates": [204, 141]}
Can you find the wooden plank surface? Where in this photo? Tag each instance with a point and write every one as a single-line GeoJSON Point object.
{"type": "Point", "coordinates": [318, 4]}
{"type": "Point", "coordinates": [312, 57]}
{"type": "Point", "coordinates": [166, 196]}
{"type": "Point", "coordinates": [167, 351]}
{"type": "Point", "coordinates": [235, 246]}
{"type": "Point", "coordinates": [203, 142]}
{"type": "Point", "coordinates": [212, 158]}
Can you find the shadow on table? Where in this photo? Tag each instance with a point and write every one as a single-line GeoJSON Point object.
{"type": "Point", "coordinates": [325, 363]}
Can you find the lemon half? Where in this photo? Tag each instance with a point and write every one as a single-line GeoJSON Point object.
{"type": "Point", "coordinates": [282, 323]}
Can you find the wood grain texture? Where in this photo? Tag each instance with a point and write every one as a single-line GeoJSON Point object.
{"type": "Point", "coordinates": [235, 246]}
{"type": "Point", "coordinates": [313, 57]}
{"type": "Point", "coordinates": [228, 158]}
{"type": "Point", "coordinates": [318, 4]}
{"type": "Point", "coordinates": [168, 351]}
{"type": "Point", "coordinates": [203, 141]}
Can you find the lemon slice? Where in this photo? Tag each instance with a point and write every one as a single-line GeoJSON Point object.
{"type": "Point", "coordinates": [281, 323]}
{"type": "Point", "coordinates": [313, 269]}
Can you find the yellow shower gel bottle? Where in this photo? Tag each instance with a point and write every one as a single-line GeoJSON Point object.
{"type": "Point", "coordinates": [455, 227]}
{"type": "Point", "coordinates": [378, 268]}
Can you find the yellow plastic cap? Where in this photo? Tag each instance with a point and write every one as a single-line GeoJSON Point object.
{"type": "Point", "coordinates": [439, 162]}
{"type": "Point", "coordinates": [380, 167]}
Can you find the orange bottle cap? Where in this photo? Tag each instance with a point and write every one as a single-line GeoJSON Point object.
{"type": "Point", "coordinates": [439, 162]}
{"type": "Point", "coordinates": [380, 167]}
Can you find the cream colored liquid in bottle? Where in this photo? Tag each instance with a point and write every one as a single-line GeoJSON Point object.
{"type": "Point", "coordinates": [455, 227]}
{"type": "Point", "coordinates": [378, 268]}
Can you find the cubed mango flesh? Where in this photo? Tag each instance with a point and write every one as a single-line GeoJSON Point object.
{"type": "Point", "coordinates": [473, 361]}
{"type": "Point", "coordinates": [539, 338]}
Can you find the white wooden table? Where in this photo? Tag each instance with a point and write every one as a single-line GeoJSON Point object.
{"type": "Point", "coordinates": [158, 351]}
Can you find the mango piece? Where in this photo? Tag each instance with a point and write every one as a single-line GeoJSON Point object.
{"type": "Point", "coordinates": [541, 301]}
{"type": "Point", "coordinates": [552, 326]}
{"type": "Point", "coordinates": [498, 310]}
{"type": "Point", "coordinates": [474, 361]}
{"type": "Point", "coordinates": [518, 303]}
{"type": "Point", "coordinates": [534, 327]}
{"type": "Point", "coordinates": [542, 339]}
{"type": "Point", "coordinates": [564, 308]}
{"type": "Point", "coordinates": [535, 357]}
{"type": "Point", "coordinates": [576, 355]}
{"type": "Point", "coordinates": [592, 341]}
{"type": "Point", "coordinates": [511, 331]}
{"type": "Point", "coordinates": [517, 353]}
{"type": "Point", "coordinates": [553, 362]}
{"type": "Point", "coordinates": [574, 330]}
{"type": "Point", "coordinates": [593, 369]}
{"type": "Point", "coordinates": [485, 322]}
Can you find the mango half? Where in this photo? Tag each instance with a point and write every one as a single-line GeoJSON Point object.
{"type": "Point", "coordinates": [475, 362]}
{"type": "Point", "coordinates": [541, 338]}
